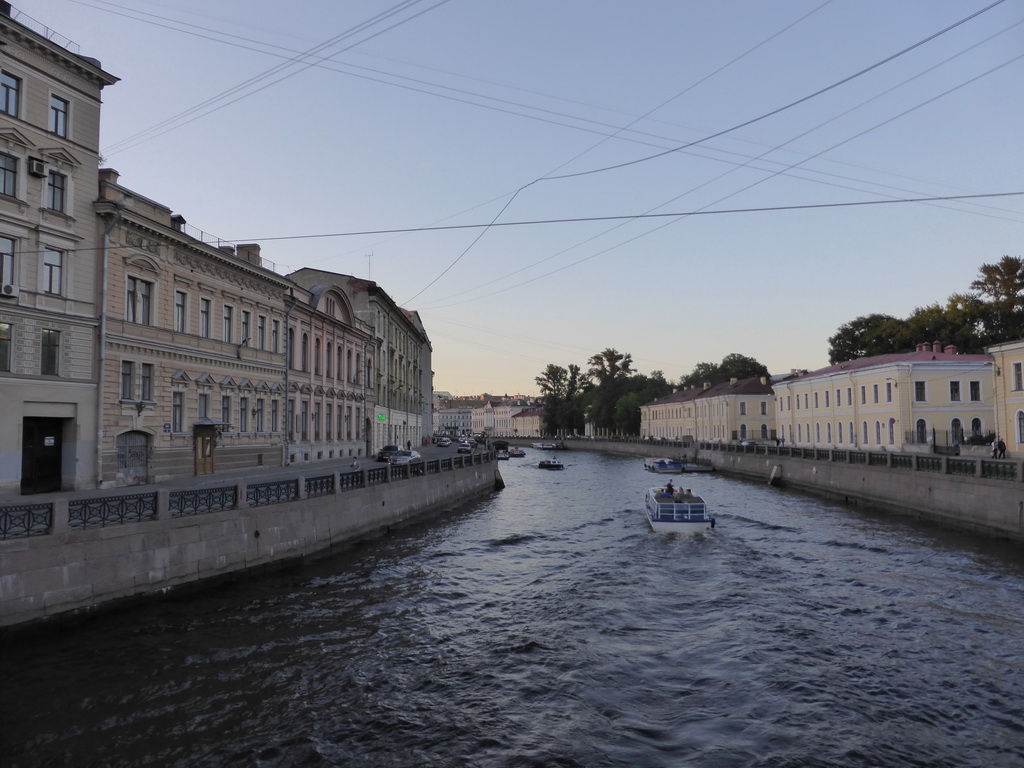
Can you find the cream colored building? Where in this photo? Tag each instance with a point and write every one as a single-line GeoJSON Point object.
{"type": "Point", "coordinates": [908, 401]}
{"type": "Point", "coordinates": [1008, 378]}
{"type": "Point", "coordinates": [330, 371]}
{"type": "Point", "coordinates": [192, 373]}
{"type": "Point", "coordinates": [503, 414]}
{"type": "Point", "coordinates": [673, 417]}
{"type": "Point", "coordinates": [739, 409]}
{"type": "Point", "coordinates": [399, 361]}
{"type": "Point", "coordinates": [528, 423]}
{"type": "Point", "coordinates": [49, 135]}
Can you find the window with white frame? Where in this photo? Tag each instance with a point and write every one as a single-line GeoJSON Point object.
{"type": "Point", "coordinates": [53, 271]}
{"type": "Point", "coordinates": [10, 94]}
{"type": "Point", "coordinates": [954, 391]}
{"type": "Point", "coordinates": [180, 311]}
{"type": "Point", "coordinates": [6, 260]}
{"type": "Point", "coordinates": [8, 176]}
{"type": "Point", "coordinates": [874, 393]}
{"type": "Point", "coordinates": [59, 109]}
{"type": "Point", "coordinates": [919, 391]}
{"type": "Point", "coordinates": [1018, 376]}
{"type": "Point", "coordinates": [975, 391]}
{"type": "Point", "coordinates": [139, 301]}
{"type": "Point", "coordinates": [888, 391]}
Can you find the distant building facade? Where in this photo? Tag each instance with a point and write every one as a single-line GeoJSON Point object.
{"type": "Point", "coordinates": [1008, 389]}
{"type": "Point", "coordinates": [673, 417]}
{"type": "Point", "coordinates": [738, 409]}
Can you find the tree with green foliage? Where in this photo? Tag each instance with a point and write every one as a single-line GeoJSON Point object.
{"type": "Point", "coordinates": [609, 370]}
{"type": "Point", "coordinates": [1003, 286]}
{"type": "Point", "coordinates": [560, 392]}
{"type": "Point", "coordinates": [733, 366]}
{"type": "Point", "coordinates": [864, 336]}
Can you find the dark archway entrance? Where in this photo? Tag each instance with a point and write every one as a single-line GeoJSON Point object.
{"type": "Point", "coordinates": [41, 446]}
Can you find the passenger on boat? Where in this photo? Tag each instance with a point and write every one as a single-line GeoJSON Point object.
{"type": "Point", "coordinates": [669, 489]}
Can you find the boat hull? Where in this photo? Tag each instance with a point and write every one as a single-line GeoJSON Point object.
{"type": "Point", "coordinates": [668, 514]}
{"type": "Point", "coordinates": [664, 466]}
{"type": "Point", "coordinates": [551, 465]}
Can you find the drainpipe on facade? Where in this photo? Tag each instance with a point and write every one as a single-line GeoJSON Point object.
{"type": "Point", "coordinates": [101, 357]}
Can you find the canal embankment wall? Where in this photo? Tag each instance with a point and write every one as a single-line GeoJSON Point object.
{"type": "Point", "coordinates": [974, 493]}
{"type": "Point", "coordinates": [73, 556]}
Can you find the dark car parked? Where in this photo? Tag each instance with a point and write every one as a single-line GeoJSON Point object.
{"type": "Point", "coordinates": [387, 452]}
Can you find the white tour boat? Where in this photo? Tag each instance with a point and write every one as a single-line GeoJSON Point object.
{"type": "Point", "coordinates": [672, 510]}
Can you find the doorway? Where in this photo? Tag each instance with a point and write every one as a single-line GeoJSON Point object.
{"type": "Point", "coordinates": [41, 447]}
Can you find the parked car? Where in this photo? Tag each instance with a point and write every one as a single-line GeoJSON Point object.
{"type": "Point", "coordinates": [385, 453]}
{"type": "Point", "coordinates": [444, 442]}
{"type": "Point", "coordinates": [465, 448]}
{"type": "Point", "coordinates": [404, 457]}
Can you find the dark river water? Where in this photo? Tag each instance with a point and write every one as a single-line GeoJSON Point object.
{"type": "Point", "coordinates": [546, 625]}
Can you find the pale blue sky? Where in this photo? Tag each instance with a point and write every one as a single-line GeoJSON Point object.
{"type": "Point", "coordinates": [431, 113]}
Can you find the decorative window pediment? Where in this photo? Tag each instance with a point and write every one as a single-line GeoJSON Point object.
{"type": "Point", "coordinates": [58, 156]}
{"type": "Point", "coordinates": [180, 376]}
{"type": "Point", "coordinates": [245, 384]}
{"type": "Point", "coordinates": [12, 137]}
{"type": "Point", "coordinates": [141, 264]}
{"type": "Point", "coordinates": [206, 380]}
{"type": "Point", "coordinates": [228, 381]}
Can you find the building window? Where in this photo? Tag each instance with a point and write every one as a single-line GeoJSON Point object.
{"type": "Point", "coordinates": [826, 398]}
{"type": "Point", "coordinates": [8, 176]}
{"type": "Point", "coordinates": [304, 417]}
{"type": "Point", "coordinates": [127, 379]}
{"type": "Point", "coordinates": [328, 358]}
{"type": "Point", "coordinates": [874, 393]}
{"type": "Point", "coordinates": [975, 387]}
{"type": "Point", "coordinates": [147, 382]}
{"type": "Point", "coordinates": [56, 191]}
{"type": "Point", "coordinates": [180, 311]}
{"type": "Point", "coordinates": [205, 310]}
{"type": "Point", "coordinates": [743, 409]}
{"type": "Point", "coordinates": [328, 422]}
{"type": "Point", "coordinates": [919, 391]}
{"type": "Point", "coordinates": [921, 431]}
{"type": "Point", "coordinates": [10, 91]}
{"type": "Point", "coordinates": [273, 415]}
{"type": "Point", "coordinates": [177, 411]}
{"type": "Point", "coordinates": [275, 336]}
{"type": "Point", "coordinates": [1018, 376]}
{"type": "Point", "coordinates": [138, 305]}
{"type": "Point", "coordinates": [50, 353]}
{"type": "Point", "coordinates": [888, 391]}
{"type": "Point", "coordinates": [246, 327]}
{"type": "Point", "coordinates": [863, 395]}
{"type": "Point", "coordinates": [764, 408]}
{"type": "Point", "coordinates": [259, 415]}
{"type": "Point", "coordinates": [839, 433]}
{"type": "Point", "coordinates": [225, 410]}
{"type": "Point", "coordinates": [243, 414]}
{"type": "Point", "coordinates": [316, 357]}
{"type": "Point", "coordinates": [203, 405]}
{"type": "Point", "coordinates": [849, 395]}
{"type": "Point", "coordinates": [316, 422]}
{"type": "Point", "coordinates": [229, 322]}
{"type": "Point", "coordinates": [348, 422]}
{"type": "Point", "coordinates": [5, 346]}
{"type": "Point", "coordinates": [59, 116]}
{"type": "Point", "coordinates": [6, 260]}
{"type": "Point", "coordinates": [305, 353]}
{"type": "Point", "coordinates": [53, 269]}
{"type": "Point", "coordinates": [1020, 426]}
{"type": "Point", "coordinates": [954, 391]}
{"type": "Point", "coordinates": [261, 332]}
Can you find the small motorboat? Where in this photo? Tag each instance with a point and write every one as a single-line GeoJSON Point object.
{"type": "Point", "coordinates": [501, 455]}
{"type": "Point", "coordinates": [516, 453]}
{"type": "Point", "coordinates": [677, 510]}
{"type": "Point", "coordinates": [551, 464]}
{"type": "Point", "coordinates": [664, 466]}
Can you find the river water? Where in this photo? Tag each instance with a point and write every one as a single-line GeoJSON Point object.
{"type": "Point", "coordinates": [546, 625]}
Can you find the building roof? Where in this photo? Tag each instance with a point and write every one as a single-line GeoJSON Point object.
{"type": "Point", "coordinates": [925, 353]}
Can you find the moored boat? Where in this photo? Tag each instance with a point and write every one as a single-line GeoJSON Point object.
{"type": "Point", "coordinates": [676, 510]}
{"type": "Point", "coordinates": [501, 455]}
{"type": "Point", "coordinates": [663, 466]}
{"type": "Point", "coordinates": [551, 464]}
{"type": "Point", "coordinates": [516, 452]}
{"type": "Point", "coordinates": [544, 446]}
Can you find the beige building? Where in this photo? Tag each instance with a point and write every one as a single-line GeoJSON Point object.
{"type": "Point", "coordinates": [673, 417]}
{"type": "Point", "coordinates": [330, 372]}
{"type": "Point", "coordinates": [49, 154]}
{"type": "Point", "coordinates": [739, 409]}
{"type": "Point", "coordinates": [192, 373]}
{"type": "Point", "coordinates": [502, 414]}
{"type": "Point", "coordinates": [1008, 386]}
{"type": "Point", "coordinates": [932, 397]}
{"type": "Point", "coordinates": [528, 423]}
{"type": "Point", "coordinates": [398, 362]}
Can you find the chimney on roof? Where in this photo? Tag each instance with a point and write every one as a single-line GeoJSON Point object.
{"type": "Point", "coordinates": [250, 252]}
{"type": "Point", "coordinates": [764, 380]}
{"type": "Point", "coordinates": [178, 222]}
{"type": "Point", "coordinates": [951, 349]}
{"type": "Point", "coordinates": [732, 381]}
{"type": "Point", "coordinates": [106, 174]}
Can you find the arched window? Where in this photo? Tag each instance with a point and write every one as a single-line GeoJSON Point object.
{"type": "Point", "coordinates": [839, 432]}
{"type": "Point", "coordinates": [1020, 426]}
{"type": "Point", "coordinates": [828, 433]}
{"type": "Point", "coordinates": [743, 431]}
{"type": "Point", "coordinates": [878, 433]}
{"type": "Point", "coordinates": [956, 431]}
{"type": "Point", "coordinates": [892, 431]}
{"type": "Point", "coordinates": [764, 431]}
{"type": "Point", "coordinates": [864, 433]}
{"type": "Point", "coordinates": [327, 359]}
{"type": "Point", "coordinates": [316, 357]}
{"type": "Point", "coordinates": [304, 360]}
{"type": "Point", "coordinates": [921, 432]}
{"type": "Point", "coordinates": [853, 435]}
{"type": "Point", "coordinates": [975, 427]}
{"type": "Point", "coordinates": [817, 432]}
{"type": "Point", "coordinates": [291, 347]}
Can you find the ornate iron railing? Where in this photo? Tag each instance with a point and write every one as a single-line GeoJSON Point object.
{"type": "Point", "coordinates": [275, 492]}
{"type": "Point", "coordinates": [350, 481]}
{"type": "Point", "coordinates": [858, 457]}
{"type": "Point", "coordinates": [108, 510]}
{"type": "Point", "coordinates": [319, 486]}
{"type": "Point", "coordinates": [202, 500]}
{"type": "Point", "coordinates": [965, 467]}
{"type": "Point", "coordinates": [377, 475]}
{"type": "Point", "coordinates": [902, 461]}
{"type": "Point", "coordinates": [999, 470]}
{"type": "Point", "coordinates": [878, 459]}
{"type": "Point", "coordinates": [929, 463]}
{"type": "Point", "coordinates": [25, 520]}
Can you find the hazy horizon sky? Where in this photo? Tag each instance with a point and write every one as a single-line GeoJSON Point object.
{"type": "Point", "coordinates": [786, 130]}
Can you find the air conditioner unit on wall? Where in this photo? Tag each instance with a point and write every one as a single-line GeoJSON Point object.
{"type": "Point", "coordinates": [9, 291]}
{"type": "Point", "coordinates": [36, 167]}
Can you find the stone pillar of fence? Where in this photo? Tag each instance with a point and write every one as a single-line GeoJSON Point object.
{"type": "Point", "coordinates": [59, 521]}
{"type": "Point", "coordinates": [241, 502]}
{"type": "Point", "coordinates": [300, 487]}
{"type": "Point", "coordinates": [945, 465]}
{"type": "Point", "coordinates": [163, 504]}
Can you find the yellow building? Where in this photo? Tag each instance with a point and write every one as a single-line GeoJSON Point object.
{"type": "Point", "coordinates": [932, 397]}
{"type": "Point", "coordinates": [1008, 370]}
{"type": "Point", "coordinates": [739, 409]}
{"type": "Point", "coordinates": [673, 417]}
